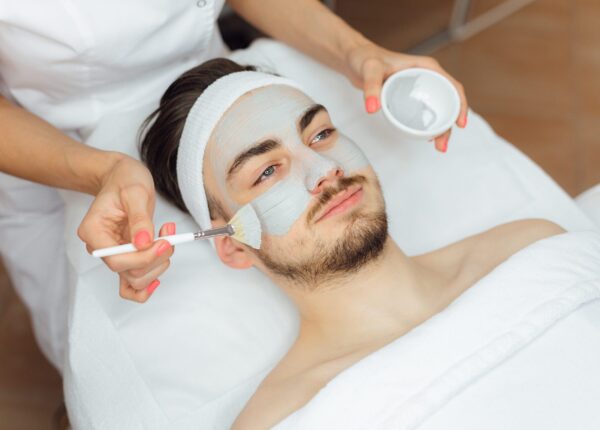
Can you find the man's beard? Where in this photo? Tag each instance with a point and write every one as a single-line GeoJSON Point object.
{"type": "Point", "coordinates": [362, 242]}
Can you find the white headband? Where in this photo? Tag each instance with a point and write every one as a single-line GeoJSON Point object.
{"type": "Point", "coordinates": [199, 125]}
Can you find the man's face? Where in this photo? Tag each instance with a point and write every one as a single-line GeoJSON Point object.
{"type": "Point", "coordinates": [318, 199]}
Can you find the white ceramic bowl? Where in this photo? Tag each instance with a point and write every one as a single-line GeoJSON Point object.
{"type": "Point", "coordinates": [421, 103]}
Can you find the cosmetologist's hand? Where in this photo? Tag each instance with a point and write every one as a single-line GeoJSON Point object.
{"type": "Point", "coordinates": [122, 213]}
{"type": "Point", "coordinates": [369, 65]}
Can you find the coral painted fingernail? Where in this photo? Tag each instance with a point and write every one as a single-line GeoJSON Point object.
{"type": "Point", "coordinates": [465, 121]}
{"type": "Point", "coordinates": [141, 238]}
{"type": "Point", "coordinates": [171, 228]}
{"type": "Point", "coordinates": [444, 147]}
{"type": "Point", "coordinates": [162, 248]}
{"type": "Point", "coordinates": [153, 286]}
{"type": "Point", "coordinates": [372, 104]}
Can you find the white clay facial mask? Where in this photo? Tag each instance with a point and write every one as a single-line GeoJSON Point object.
{"type": "Point", "coordinates": [279, 179]}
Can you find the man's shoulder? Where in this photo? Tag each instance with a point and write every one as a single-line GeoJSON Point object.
{"type": "Point", "coordinates": [469, 259]}
{"type": "Point", "coordinates": [504, 240]}
{"type": "Point", "coordinates": [485, 251]}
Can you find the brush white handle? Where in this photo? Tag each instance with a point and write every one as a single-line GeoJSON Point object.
{"type": "Point", "coordinates": [122, 249]}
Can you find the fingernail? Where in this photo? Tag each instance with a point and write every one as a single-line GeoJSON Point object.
{"type": "Point", "coordinates": [141, 238]}
{"type": "Point", "coordinates": [171, 228]}
{"type": "Point", "coordinates": [162, 248]}
{"type": "Point", "coordinates": [153, 286]}
{"type": "Point", "coordinates": [444, 147]}
{"type": "Point", "coordinates": [371, 104]}
{"type": "Point", "coordinates": [465, 121]}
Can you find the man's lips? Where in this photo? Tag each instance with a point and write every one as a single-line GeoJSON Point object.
{"type": "Point", "coordinates": [341, 202]}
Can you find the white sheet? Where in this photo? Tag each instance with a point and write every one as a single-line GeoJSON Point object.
{"type": "Point", "coordinates": [529, 305]}
{"type": "Point", "coordinates": [589, 202]}
{"type": "Point", "coordinates": [192, 355]}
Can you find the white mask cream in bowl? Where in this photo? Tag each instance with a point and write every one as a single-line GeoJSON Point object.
{"type": "Point", "coordinates": [419, 102]}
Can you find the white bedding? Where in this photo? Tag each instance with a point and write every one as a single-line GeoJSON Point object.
{"type": "Point", "coordinates": [519, 350]}
{"type": "Point", "coordinates": [589, 202]}
{"type": "Point", "coordinates": [192, 355]}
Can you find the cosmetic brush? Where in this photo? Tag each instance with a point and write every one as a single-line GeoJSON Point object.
{"type": "Point", "coordinates": [244, 227]}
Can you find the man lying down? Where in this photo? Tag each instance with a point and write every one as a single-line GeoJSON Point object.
{"type": "Point", "coordinates": [226, 135]}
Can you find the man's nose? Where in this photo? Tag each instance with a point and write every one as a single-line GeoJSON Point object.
{"type": "Point", "coordinates": [319, 171]}
{"type": "Point", "coordinates": [329, 179]}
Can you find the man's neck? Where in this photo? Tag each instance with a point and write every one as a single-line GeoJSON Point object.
{"type": "Point", "coordinates": [384, 299]}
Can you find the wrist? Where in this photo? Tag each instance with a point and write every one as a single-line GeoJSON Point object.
{"type": "Point", "coordinates": [349, 45]}
{"type": "Point", "coordinates": [339, 40]}
{"type": "Point", "coordinates": [102, 170]}
{"type": "Point", "coordinates": [353, 53]}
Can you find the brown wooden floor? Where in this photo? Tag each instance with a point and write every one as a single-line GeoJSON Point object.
{"type": "Point", "coordinates": [30, 388]}
{"type": "Point", "coordinates": [535, 77]}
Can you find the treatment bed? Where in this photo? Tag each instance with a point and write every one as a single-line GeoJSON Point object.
{"type": "Point", "coordinates": [193, 354]}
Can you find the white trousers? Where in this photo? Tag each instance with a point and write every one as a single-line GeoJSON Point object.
{"type": "Point", "coordinates": [32, 247]}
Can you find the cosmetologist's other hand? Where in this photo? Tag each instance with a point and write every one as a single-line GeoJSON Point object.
{"type": "Point", "coordinates": [121, 213]}
{"type": "Point", "coordinates": [369, 65]}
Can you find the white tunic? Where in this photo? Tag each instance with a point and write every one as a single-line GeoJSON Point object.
{"type": "Point", "coordinates": [70, 62]}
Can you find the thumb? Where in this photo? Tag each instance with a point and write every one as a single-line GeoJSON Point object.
{"type": "Point", "coordinates": [372, 71]}
{"type": "Point", "coordinates": [138, 203]}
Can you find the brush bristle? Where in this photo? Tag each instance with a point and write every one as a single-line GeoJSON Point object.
{"type": "Point", "coordinates": [247, 226]}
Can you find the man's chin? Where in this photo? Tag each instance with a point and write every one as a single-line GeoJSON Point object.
{"type": "Point", "coordinates": [339, 249]}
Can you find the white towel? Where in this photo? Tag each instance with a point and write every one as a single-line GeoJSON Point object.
{"type": "Point", "coordinates": [402, 384]}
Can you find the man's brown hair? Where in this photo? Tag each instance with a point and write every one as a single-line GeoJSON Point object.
{"type": "Point", "coordinates": [161, 131]}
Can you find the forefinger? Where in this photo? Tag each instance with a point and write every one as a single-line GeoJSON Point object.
{"type": "Point", "coordinates": [135, 260]}
{"type": "Point", "coordinates": [461, 121]}
{"type": "Point", "coordinates": [164, 252]}
{"type": "Point", "coordinates": [372, 71]}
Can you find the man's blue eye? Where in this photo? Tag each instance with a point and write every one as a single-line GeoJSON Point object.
{"type": "Point", "coordinates": [267, 172]}
{"type": "Point", "coordinates": [323, 135]}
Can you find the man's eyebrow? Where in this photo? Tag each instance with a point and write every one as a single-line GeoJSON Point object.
{"type": "Point", "coordinates": [255, 150]}
{"type": "Point", "coordinates": [308, 116]}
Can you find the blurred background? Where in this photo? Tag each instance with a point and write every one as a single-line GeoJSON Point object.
{"type": "Point", "coordinates": [531, 68]}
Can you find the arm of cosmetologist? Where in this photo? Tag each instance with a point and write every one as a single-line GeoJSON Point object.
{"type": "Point", "coordinates": [33, 149]}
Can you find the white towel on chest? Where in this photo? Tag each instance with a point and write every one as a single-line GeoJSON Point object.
{"type": "Point", "coordinates": [401, 385]}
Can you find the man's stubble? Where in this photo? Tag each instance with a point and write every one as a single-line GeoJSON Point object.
{"type": "Point", "coordinates": [361, 243]}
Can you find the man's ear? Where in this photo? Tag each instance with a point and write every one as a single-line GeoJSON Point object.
{"type": "Point", "coordinates": [231, 252]}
